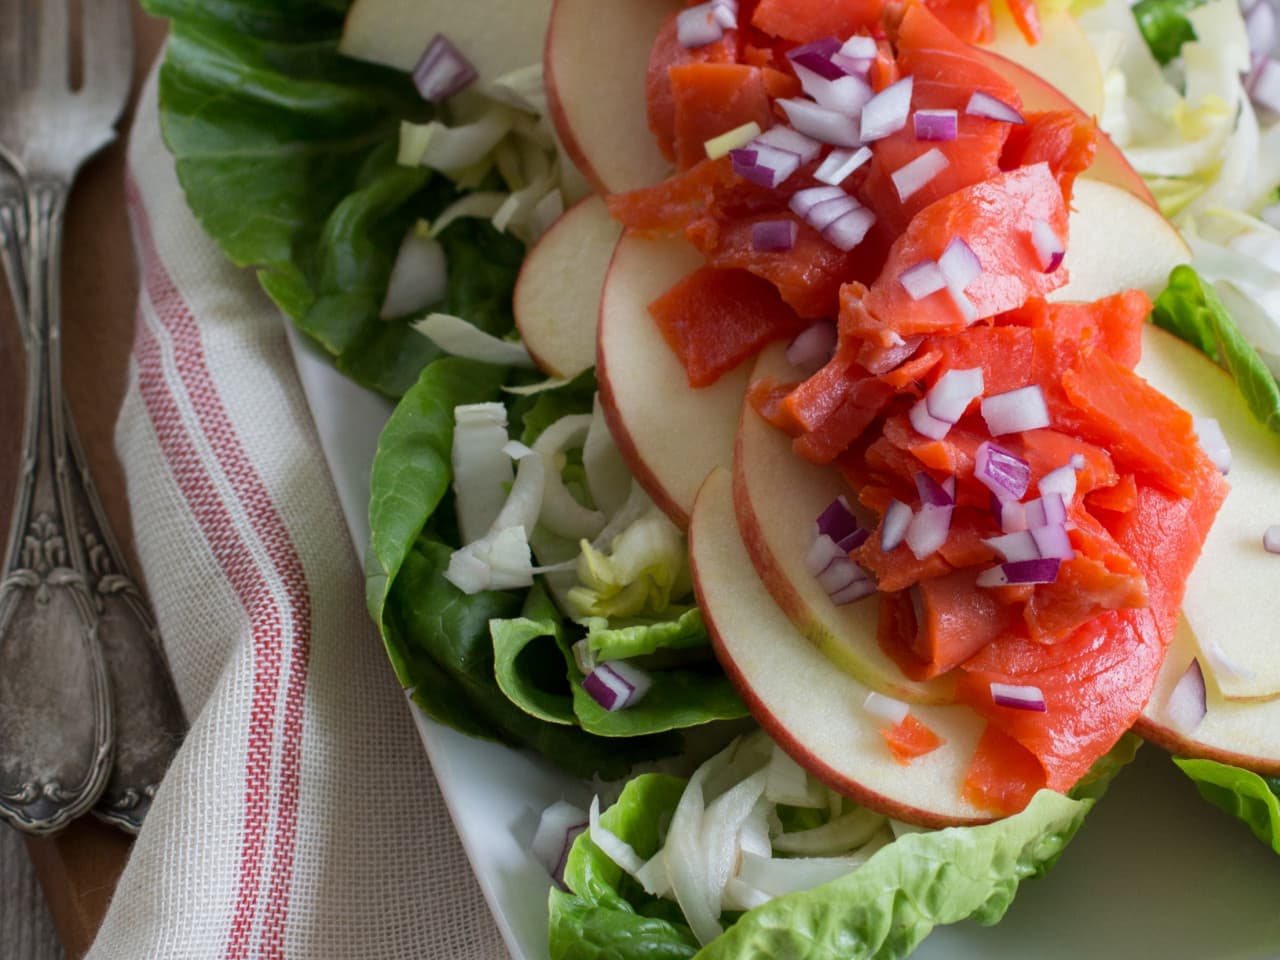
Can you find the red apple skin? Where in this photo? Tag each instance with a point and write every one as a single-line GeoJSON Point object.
{"type": "Point", "coordinates": [580, 223]}
{"type": "Point", "coordinates": [718, 485]}
{"type": "Point", "coordinates": [1109, 164]}
{"type": "Point", "coordinates": [1176, 743]}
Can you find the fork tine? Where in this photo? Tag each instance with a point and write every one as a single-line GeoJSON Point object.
{"type": "Point", "coordinates": [54, 43]}
{"type": "Point", "coordinates": [107, 48]}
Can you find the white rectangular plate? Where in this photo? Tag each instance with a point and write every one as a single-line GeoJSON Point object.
{"type": "Point", "coordinates": [1155, 872]}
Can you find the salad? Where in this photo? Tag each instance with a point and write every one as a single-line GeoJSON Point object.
{"type": "Point", "coordinates": [531, 590]}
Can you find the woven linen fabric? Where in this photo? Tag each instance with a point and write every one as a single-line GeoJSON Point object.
{"type": "Point", "coordinates": [26, 930]}
{"type": "Point", "coordinates": [300, 818]}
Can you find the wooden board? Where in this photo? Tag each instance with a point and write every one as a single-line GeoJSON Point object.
{"type": "Point", "coordinates": [78, 868]}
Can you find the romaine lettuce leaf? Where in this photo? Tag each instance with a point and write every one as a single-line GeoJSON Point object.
{"type": "Point", "coordinates": [1189, 308]}
{"type": "Point", "coordinates": [1241, 793]}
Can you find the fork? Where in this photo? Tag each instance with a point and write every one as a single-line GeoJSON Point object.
{"type": "Point", "coordinates": [56, 718]}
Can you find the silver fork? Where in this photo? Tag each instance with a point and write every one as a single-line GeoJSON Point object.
{"type": "Point", "coordinates": [61, 581]}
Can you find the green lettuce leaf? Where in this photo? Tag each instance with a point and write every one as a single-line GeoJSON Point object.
{"type": "Point", "coordinates": [1241, 793]}
{"type": "Point", "coordinates": [286, 154]}
{"type": "Point", "coordinates": [608, 914]}
{"type": "Point", "coordinates": [624, 638]}
{"type": "Point", "coordinates": [525, 650]}
{"type": "Point", "coordinates": [1164, 25]}
{"type": "Point", "coordinates": [1189, 308]}
{"type": "Point", "coordinates": [889, 905]}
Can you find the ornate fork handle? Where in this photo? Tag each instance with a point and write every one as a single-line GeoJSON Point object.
{"type": "Point", "coordinates": [148, 718]}
{"type": "Point", "coordinates": [55, 703]}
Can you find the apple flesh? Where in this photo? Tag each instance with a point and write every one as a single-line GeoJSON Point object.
{"type": "Point", "coordinates": [1063, 58]}
{"type": "Point", "coordinates": [1109, 163]}
{"type": "Point", "coordinates": [778, 497]}
{"type": "Point", "coordinates": [670, 434]}
{"type": "Point", "coordinates": [1231, 604]}
{"type": "Point", "coordinates": [497, 36]}
{"type": "Point", "coordinates": [1117, 242]}
{"type": "Point", "coordinates": [810, 708]}
{"type": "Point", "coordinates": [557, 295]}
{"type": "Point", "coordinates": [595, 64]}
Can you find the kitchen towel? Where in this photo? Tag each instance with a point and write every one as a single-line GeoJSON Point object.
{"type": "Point", "coordinates": [300, 818]}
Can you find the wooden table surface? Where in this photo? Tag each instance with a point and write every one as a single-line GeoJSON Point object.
{"type": "Point", "coordinates": [78, 868]}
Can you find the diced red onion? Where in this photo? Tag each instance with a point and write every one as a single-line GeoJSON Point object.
{"type": "Point", "coordinates": [698, 26]}
{"type": "Point", "coordinates": [984, 105]}
{"type": "Point", "coordinates": [1077, 461]}
{"type": "Point", "coordinates": [1011, 515]}
{"type": "Point", "coordinates": [811, 350]}
{"type": "Point", "coordinates": [1213, 442]}
{"type": "Point", "coordinates": [558, 827]}
{"type": "Point", "coordinates": [932, 493]}
{"type": "Point", "coordinates": [802, 201]}
{"type": "Point", "coordinates": [854, 592]}
{"type": "Point", "coordinates": [1014, 546]}
{"type": "Point", "coordinates": [859, 47]}
{"type": "Point", "coordinates": [916, 175]}
{"type": "Point", "coordinates": [923, 279]}
{"type": "Point", "coordinates": [959, 264]}
{"type": "Point", "coordinates": [887, 111]}
{"type": "Point", "coordinates": [853, 66]}
{"type": "Point", "coordinates": [893, 527]}
{"type": "Point", "coordinates": [1044, 570]}
{"type": "Point", "coordinates": [937, 125]}
{"type": "Point", "coordinates": [949, 486]}
{"type": "Point", "coordinates": [770, 236]}
{"type": "Point", "coordinates": [951, 395]}
{"type": "Point", "coordinates": [928, 530]}
{"type": "Point", "coordinates": [1271, 539]}
{"type": "Point", "coordinates": [1265, 88]}
{"type": "Point", "coordinates": [846, 94]}
{"type": "Point", "coordinates": [442, 71]}
{"type": "Point", "coordinates": [822, 215]}
{"type": "Point", "coordinates": [763, 164]}
{"type": "Point", "coordinates": [1046, 511]}
{"type": "Point", "coordinates": [1004, 474]}
{"type": "Point", "coordinates": [1188, 702]}
{"type": "Point", "coordinates": [839, 164]}
{"type": "Point", "coordinates": [1018, 696]}
{"type": "Point", "coordinates": [891, 711]}
{"type": "Point", "coordinates": [822, 124]}
{"type": "Point", "coordinates": [616, 684]}
{"type": "Point", "coordinates": [816, 56]}
{"type": "Point", "coordinates": [1061, 481]}
{"type": "Point", "coordinates": [823, 552]}
{"type": "Point", "coordinates": [839, 574]}
{"type": "Point", "coordinates": [926, 423]}
{"type": "Point", "coordinates": [1015, 410]}
{"type": "Point", "coordinates": [848, 230]}
{"type": "Point", "coordinates": [837, 520]}
{"type": "Point", "coordinates": [1260, 25]}
{"type": "Point", "coordinates": [1049, 246]}
{"type": "Point", "coordinates": [1052, 541]}
{"type": "Point", "coordinates": [783, 137]}
{"type": "Point", "coordinates": [725, 13]}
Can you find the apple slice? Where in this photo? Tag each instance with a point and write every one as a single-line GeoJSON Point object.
{"type": "Point", "coordinates": [596, 60]}
{"type": "Point", "coordinates": [557, 295]}
{"type": "Point", "coordinates": [1117, 242]}
{"type": "Point", "coordinates": [810, 708]}
{"type": "Point", "coordinates": [670, 434]}
{"type": "Point", "coordinates": [497, 36]}
{"type": "Point", "coordinates": [1064, 57]}
{"type": "Point", "coordinates": [1109, 164]}
{"type": "Point", "coordinates": [1231, 605]}
{"type": "Point", "coordinates": [778, 497]}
